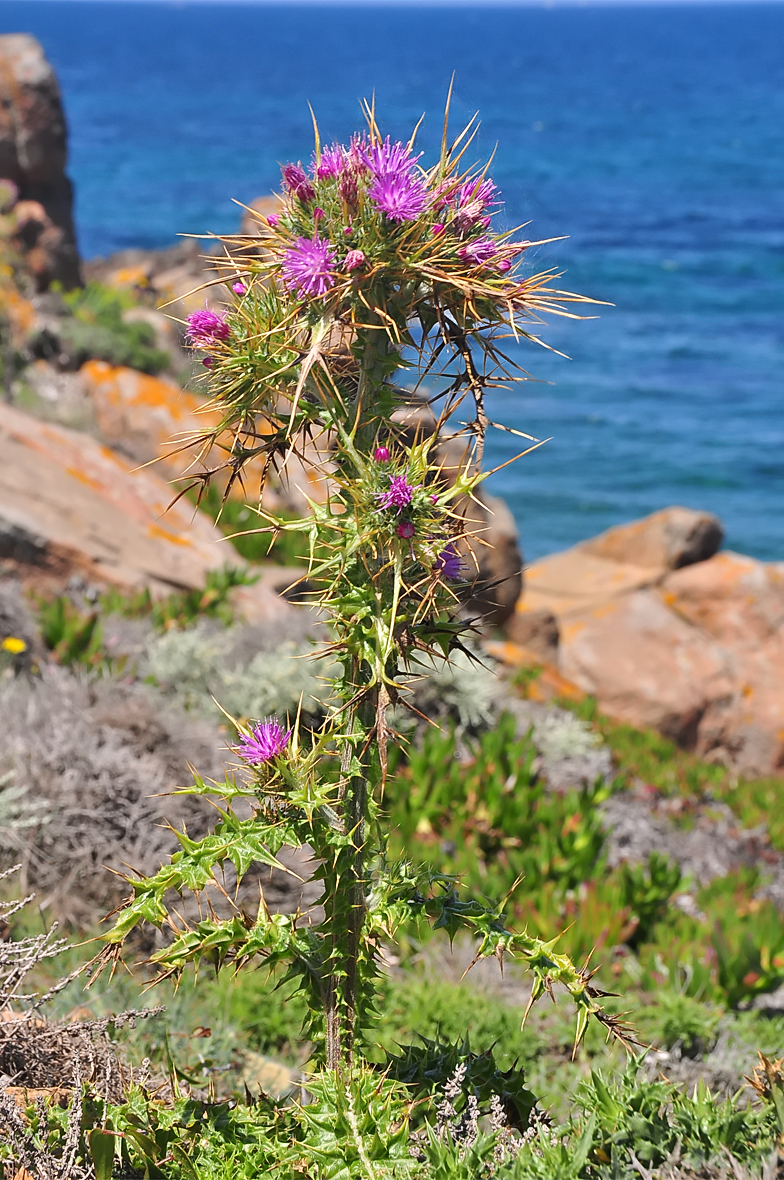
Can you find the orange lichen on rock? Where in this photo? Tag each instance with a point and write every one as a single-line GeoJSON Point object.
{"type": "Point", "coordinates": [146, 418]}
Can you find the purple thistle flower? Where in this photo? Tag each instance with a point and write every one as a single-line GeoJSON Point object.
{"type": "Point", "coordinates": [397, 192]}
{"type": "Point", "coordinates": [483, 192]}
{"type": "Point", "coordinates": [449, 563]}
{"type": "Point", "coordinates": [400, 197]}
{"type": "Point", "coordinates": [354, 259]}
{"type": "Point", "coordinates": [264, 742]}
{"type": "Point", "coordinates": [478, 252]}
{"type": "Point", "coordinates": [398, 495]}
{"type": "Point", "coordinates": [406, 530]}
{"type": "Point", "coordinates": [389, 159]}
{"type": "Point", "coordinates": [205, 327]}
{"type": "Point", "coordinates": [381, 455]}
{"type": "Point", "coordinates": [307, 266]}
{"type": "Point", "coordinates": [472, 199]}
{"type": "Point", "coordinates": [297, 183]}
{"type": "Point", "coordinates": [239, 287]}
{"type": "Point", "coordinates": [332, 162]}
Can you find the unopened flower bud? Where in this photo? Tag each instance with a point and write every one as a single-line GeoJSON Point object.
{"type": "Point", "coordinates": [437, 229]}
{"type": "Point", "coordinates": [318, 214]}
{"type": "Point", "coordinates": [354, 259]}
{"type": "Point", "coordinates": [381, 455]}
{"type": "Point", "coordinates": [208, 362]}
{"type": "Point", "coordinates": [504, 265]}
{"type": "Point", "coordinates": [405, 530]}
{"type": "Point", "coordinates": [272, 221]}
{"type": "Point", "coordinates": [239, 287]}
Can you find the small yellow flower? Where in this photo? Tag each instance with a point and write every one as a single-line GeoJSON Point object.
{"type": "Point", "coordinates": [13, 645]}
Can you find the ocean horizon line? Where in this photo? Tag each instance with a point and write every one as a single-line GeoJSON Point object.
{"type": "Point", "coordinates": [382, 4]}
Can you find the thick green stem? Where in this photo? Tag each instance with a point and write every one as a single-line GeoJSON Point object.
{"type": "Point", "coordinates": [346, 907]}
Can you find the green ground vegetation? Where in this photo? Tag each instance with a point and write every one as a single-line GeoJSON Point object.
{"type": "Point", "coordinates": [687, 980]}
{"type": "Point", "coordinates": [96, 328]}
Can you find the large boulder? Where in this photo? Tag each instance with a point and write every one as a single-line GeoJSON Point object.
{"type": "Point", "coordinates": [667, 632]}
{"type": "Point", "coordinates": [142, 417]}
{"type": "Point", "coordinates": [69, 505]}
{"type": "Point", "coordinates": [669, 539]}
{"type": "Point", "coordinates": [645, 665]}
{"type": "Point", "coordinates": [33, 151]}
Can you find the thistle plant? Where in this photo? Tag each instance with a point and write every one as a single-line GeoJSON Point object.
{"type": "Point", "coordinates": [376, 268]}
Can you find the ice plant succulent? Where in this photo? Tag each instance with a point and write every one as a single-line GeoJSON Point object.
{"type": "Point", "coordinates": [319, 350]}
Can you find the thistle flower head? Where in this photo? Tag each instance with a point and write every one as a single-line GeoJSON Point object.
{"type": "Point", "coordinates": [399, 196]}
{"type": "Point", "coordinates": [297, 183]}
{"type": "Point", "coordinates": [477, 191]}
{"type": "Point", "coordinates": [406, 530]}
{"type": "Point", "coordinates": [332, 162]}
{"type": "Point", "coordinates": [471, 201]}
{"type": "Point", "coordinates": [389, 159]}
{"type": "Point", "coordinates": [449, 563]}
{"type": "Point", "coordinates": [396, 190]}
{"type": "Point", "coordinates": [307, 266]}
{"type": "Point", "coordinates": [205, 327]}
{"type": "Point", "coordinates": [398, 495]}
{"type": "Point", "coordinates": [264, 742]}
{"type": "Point", "coordinates": [478, 252]}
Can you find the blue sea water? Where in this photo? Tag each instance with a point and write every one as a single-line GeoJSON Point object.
{"type": "Point", "coordinates": [652, 135]}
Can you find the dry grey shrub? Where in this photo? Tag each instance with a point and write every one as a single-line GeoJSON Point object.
{"type": "Point", "coordinates": [27, 1156]}
{"type": "Point", "coordinates": [198, 664]}
{"type": "Point", "coordinates": [570, 752]}
{"type": "Point", "coordinates": [38, 1054]}
{"type": "Point", "coordinates": [91, 755]}
{"type": "Point", "coordinates": [252, 677]}
{"type": "Point", "coordinates": [465, 689]}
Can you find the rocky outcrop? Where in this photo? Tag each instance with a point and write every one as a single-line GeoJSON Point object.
{"type": "Point", "coordinates": [142, 417]}
{"type": "Point", "coordinates": [33, 150]}
{"type": "Point", "coordinates": [667, 632]}
{"type": "Point", "coordinates": [69, 505]}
